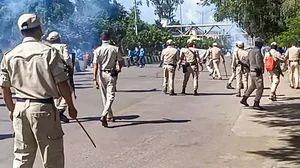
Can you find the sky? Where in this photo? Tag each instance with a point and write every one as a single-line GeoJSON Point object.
{"type": "Point", "coordinates": [190, 13]}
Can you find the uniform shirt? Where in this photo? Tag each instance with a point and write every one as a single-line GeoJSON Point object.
{"type": "Point", "coordinates": [64, 52]}
{"type": "Point", "coordinates": [276, 55]}
{"type": "Point", "coordinates": [33, 69]}
{"type": "Point", "coordinates": [293, 53]}
{"type": "Point", "coordinates": [142, 52]}
{"type": "Point", "coordinates": [130, 53]}
{"type": "Point", "coordinates": [256, 60]}
{"type": "Point", "coordinates": [169, 55]}
{"type": "Point", "coordinates": [216, 52]}
{"type": "Point", "coordinates": [106, 56]}
{"type": "Point", "coordinates": [239, 54]}
{"type": "Point", "coordinates": [187, 54]}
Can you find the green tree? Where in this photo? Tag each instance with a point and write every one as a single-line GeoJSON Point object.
{"type": "Point", "coordinates": [292, 35]}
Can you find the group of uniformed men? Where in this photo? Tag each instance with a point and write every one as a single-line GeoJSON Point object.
{"type": "Point", "coordinates": [39, 74]}
{"type": "Point", "coordinates": [188, 59]}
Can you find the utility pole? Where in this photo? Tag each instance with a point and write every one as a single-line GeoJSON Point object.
{"type": "Point", "coordinates": [181, 18]}
{"type": "Point", "coordinates": [135, 18]}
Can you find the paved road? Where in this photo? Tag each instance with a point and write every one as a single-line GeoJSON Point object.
{"type": "Point", "coordinates": [155, 130]}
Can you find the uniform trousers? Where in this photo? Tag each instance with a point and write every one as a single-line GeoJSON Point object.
{"type": "Point", "coordinates": [61, 103]}
{"type": "Point", "coordinates": [107, 84]}
{"type": "Point", "coordinates": [169, 75]}
{"type": "Point", "coordinates": [192, 69]}
{"type": "Point", "coordinates": [37, 126]}
{"type": "Point", "coordinates": [232, 77]}
{"type": "Point", "coordinates": [294, 74]}
{"type": "Point", "coordinates": [274, 78]}
{"type": "Point", "coordinates": [210, 66]}
{"type": "Point", "coordinates": [216, 63]}
{"type": "Point", "coordinates": [241, 79]}
{"type": "Point", "coordinates": [256, 83]}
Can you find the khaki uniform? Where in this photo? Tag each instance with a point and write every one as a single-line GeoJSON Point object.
{"type": "Point", "coordinates": [216, 56]}
{"type": "Point", "coordinates": [233, 64]}
{"type": "Point", "coordinates": [293, 55]}
{"type": "Point", "coordinates": [33, 69]}
{"type": "Point", "coordinates": [106, 57]}
{"type": "Point", "coordinates": [209, 62]}
{"type": "Point", "coordinates": [192, 59]}
{"type": "Point", "coordinates": [60, 102]}
{"type": "Point", "coordinates": [169, 56]}
{"type": "Point", "coordinates": [242, 73]}
{"type": "Point", "coordinates": [256, 62]}
{"type": "Point", "coordinates": [274, 76]}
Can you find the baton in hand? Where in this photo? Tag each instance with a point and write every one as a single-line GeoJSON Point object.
{"type": "Point", "coordinates": [87, 134]}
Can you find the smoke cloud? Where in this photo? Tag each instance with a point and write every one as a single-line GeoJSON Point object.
{"type": "Point", "coordinates": [75, 20]}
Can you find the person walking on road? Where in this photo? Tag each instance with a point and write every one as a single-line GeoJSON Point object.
{"type": "Point", "coordinates": [240, 63]}
{"type": "Point", "coordinates": [37, 74]}
{"type": "Point", "coordinates": [105, 59]}
{"type": "Point", "coordinates": [189, 60]}
{"type": "Point", "coordinates": [169, 57]}
{"type": "Point", "coordinates": [274, 75]}
{"type": "Point", "coordinates": [209, 62]}
{"type": "Point", "coordinates": [256, 62]}
{"type": "Point", "coordinates": [216, 56]}
{"type": "Point", "coordinates": [233, 75]}
{"type": "Point", "coordinates": [55, 41]}
{"type": "Point", "coordinates": [293, 55]}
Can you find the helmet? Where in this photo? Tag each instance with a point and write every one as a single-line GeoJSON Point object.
{"type": "Point", "coordinates": [170, 42]}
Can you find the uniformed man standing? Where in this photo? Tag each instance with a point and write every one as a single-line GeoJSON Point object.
{"type": "Point", "coordinates": [240, 62]}
{"type": "Point", "coordinates": [256, 62]}
{"type": "Point", "coordinates": [189, 60]}
{"type": "Point", "coordinates": [293, 55]}
{"type": "Point", "coordinates": [233, 67]}
{"type": "Point", "coordinates": [55, 40]}
{"type": "Point", "coordinates": [209, 63]}
{"type": "Point", "coordinates": [216, 56]}
{"type": "Point", "coordinates": [274, 76]}
{"type": "Point", "coordinates": [169, 57]}
{"type": "Point", "coordinates": [35, 71]}
{"type": "Point", "coordinates": [105, 59]}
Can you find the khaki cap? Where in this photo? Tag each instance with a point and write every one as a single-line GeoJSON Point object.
{"type": "Point", "coordinates": [53, 36]}
{"type": "Point", "coordinates": [273, 43]}
{"type": "Point", "coordinates": [170, 42]}
{"type": "Point", "coordinates": [215, 44]}
{"type": "Point", "coordinates": [28, 21]}
{"type": "Point", "coordinates": [240, 44]}
{"type": "Point", "coordinates": [189, 41]}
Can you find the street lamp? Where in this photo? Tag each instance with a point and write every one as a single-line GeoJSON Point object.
{"type": "Point", "coordinates": [135, 18]}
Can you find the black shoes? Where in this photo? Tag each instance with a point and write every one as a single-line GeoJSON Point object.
{"type": "Point", "coordinates": [172, 93]}
{"type": "Point", "coordinates": [229, 86]}
{"type": "Point", "coordinates": [244, 101]}
{"type": "Point", "coordinates": [256, 106]}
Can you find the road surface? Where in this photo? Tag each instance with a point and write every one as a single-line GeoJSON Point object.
{"type": "Point", "coordinates": [211, 130]}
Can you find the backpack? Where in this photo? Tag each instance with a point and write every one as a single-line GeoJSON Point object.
{"type": "Point", "coordinates": [270, 63]}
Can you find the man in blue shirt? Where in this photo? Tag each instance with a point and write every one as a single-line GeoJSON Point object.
{"type": "Point", "coordinates": [130, 57]}
{"type": "Point", "coordinates": [142, 54]}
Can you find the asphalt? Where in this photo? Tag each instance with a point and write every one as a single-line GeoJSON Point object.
{"type": "Point", "coordinates": [211, 130]}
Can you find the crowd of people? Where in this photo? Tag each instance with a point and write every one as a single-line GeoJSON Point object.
{"type": "Point", "coordinates": [137, 57]}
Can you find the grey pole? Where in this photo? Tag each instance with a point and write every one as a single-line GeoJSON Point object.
{"type": "Point", "coordinates": [135, 17]}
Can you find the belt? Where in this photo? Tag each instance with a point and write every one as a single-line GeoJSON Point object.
{"type": "Point", "coordinates": [294, 60]}
{"type": "Point", "coordinates": [46, 101]}
{"type": "Point", "coordinates": [170, 64]}
{"type": "Point", "coordinates": [106, 70]}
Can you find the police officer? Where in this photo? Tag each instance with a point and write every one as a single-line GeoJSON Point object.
{"type": "Point", "coordinates": [240, 63]}
{"type": "Point", "coordinates": [233, 76]}
{"type": "Point", "coordinates": [216, 56]}
{"type": "Point", "coordinates": [256, 62]}
{"type": "Point", "coordinates": [274, 76]}
{"type": "Point", "coordinates": [189, 60]}
{"type": "Point", "coordinates": [105, 59]}
{"type": "Point", "coordinates": [293, 55]}
{"type": "Point", "coordinates": [35, 71]}
{"type": "Point", "coordinates": [209, 63]}
{"type": "Point", "coordinates": [169, 57]}
{"type": "Point", "coordinates": [54, 39]}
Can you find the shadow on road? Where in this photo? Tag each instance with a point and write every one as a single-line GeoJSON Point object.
{"type": "Point", "coordinates": [134, 123]}
{"type": "Point", "coordinates": [125, 117]}
{"type": "Point", "coordinates": [212, 94]}
{"type": "Point", "coordinates": [5, 136]}
{"type": "Point", "coordinates": [140, 91]}
{"type": "Point", "coordinates": [287, 117]}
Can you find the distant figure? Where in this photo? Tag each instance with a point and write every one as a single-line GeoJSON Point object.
{"type": "Point", "coordinates": [217, 53]}
{"type": "Point", "coordinates": [292, 55]}
{"type": "Point", "coordinates": [142, 55]}
{"type": "Point", "coordinates": [130, 57]}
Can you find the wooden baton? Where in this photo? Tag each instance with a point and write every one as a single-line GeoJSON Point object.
{"type": "Point", "coordinates": [86, 133]}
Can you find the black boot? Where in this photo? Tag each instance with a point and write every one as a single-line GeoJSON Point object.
{"type": "Point", "coordinates": [196, 93]}
{"type": "Point", "coordinates": [183, 91]}
{"type": "Point", "coordinates": [244, 101]}
{"type": "Point", "coordinates": [229, 86]}
{"type": "Point", "coordinates": [172, 93]}
{"type": "Point", "coordinates": [256, 106]}
{"type": "Point", "coordinates": [238, 94]}
{"type": "Point", "coordinates": [165, 90]}
{"type": "Point", "coordinates": [273, 97]}
{"type": "Point", "coordinates": [62, 117]}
